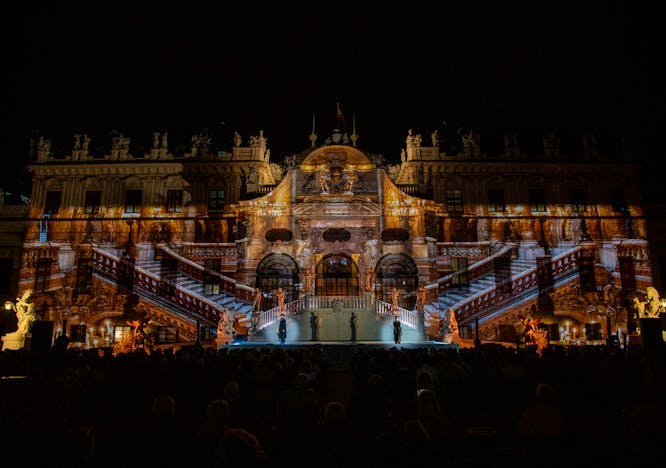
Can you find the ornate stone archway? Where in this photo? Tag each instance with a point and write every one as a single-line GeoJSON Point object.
{"type": "Point", "coordinates": [337, 275]}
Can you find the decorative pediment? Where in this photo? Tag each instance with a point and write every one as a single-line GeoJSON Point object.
{"type": "Point", "coordinates": [337, 206]}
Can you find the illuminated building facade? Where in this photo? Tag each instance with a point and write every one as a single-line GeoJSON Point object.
{"type": "Point", "coordinates": [497, 238]}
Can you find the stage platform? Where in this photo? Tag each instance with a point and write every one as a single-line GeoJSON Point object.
{"type": "Point", "coordinates": [341, 344]}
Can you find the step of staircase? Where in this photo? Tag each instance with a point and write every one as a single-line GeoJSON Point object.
{"type": "Point", "coordinates": [225, 300]}
{"type": "Point", "coordinates": [450, 298]}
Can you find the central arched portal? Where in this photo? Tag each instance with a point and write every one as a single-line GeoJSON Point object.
{"type": "Point", "coordinates": [337, 275]}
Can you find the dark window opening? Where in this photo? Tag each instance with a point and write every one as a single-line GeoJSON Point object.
{"type": "Point", "coordinates": [577, 200]}
{"type": "Point", "coordinates": [133, 201]}
{"type": "Point", "coordinates": [52, 202]}
{"type": "Point", "coordinates": [84, 275]}
{"type": "Point", "coordinates": [395, 234]}
{"type": "Point", "coordinates": [274, 235]}
{"type": "Point", "coordinates": [537, 200]}
{"type": "Point", "coordinates": [211, 281]}
{"type": "Point", "coordinates": [586, 274]}
{"type": "Point", "coordinates": [93, 201]}
{"type": "Point", "coordinates": [454, 201]}
{"type": "Point", "coordinates": [43, 274]}
{"type": "Point", "coordinates": [174, 201]}
{"type": "Point", "coordinates": [216, 201]}
{"type": "Point", "coordinates": [617, 201]}
{"type": "Point", "coordinates": [496, 200]}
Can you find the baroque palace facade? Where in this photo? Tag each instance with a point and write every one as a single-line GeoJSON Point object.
{"type": "Point", "coordinates": [183, 243]}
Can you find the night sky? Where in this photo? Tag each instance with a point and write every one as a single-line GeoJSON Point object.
{"type": "Point", "coordinates": [568, 67]}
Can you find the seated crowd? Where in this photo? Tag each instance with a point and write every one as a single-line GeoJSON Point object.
{"type": "Point", "coordinates": [313, 406]}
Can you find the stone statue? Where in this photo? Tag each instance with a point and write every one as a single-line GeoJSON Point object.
{"type": "Point", "coordinates": [410, 138]}
{"type": "Point", "coordinates": [85, 143]}
{"type": "Point", "coordinates": [420, 175]}
{"type": "Point", "coordinates": [449, 328]}
{"type": "Point", "coordinates": [421, 295]}
{"type": "Point", "coordinates": [261, 140]}
{"type": "Point", "coordinates": [25, 315]}
{"type": "Point", "coordinates": [223, 324]}
{"type": "Point", "coordinates": [77, 142]}
{"type": "Point", "coordinates": [370, 253]}
{"type": "Point", "coordinates": [280, 300]}
{"type": "Point", "coordinates": [303, 252]}
{"type": "Point", "coordinates": [156, 139]}
{"type": "Point", "coordinates": [252, 175]}
{"type": "Point", "coordinates": [393, 171]}
{"type": "Point", "coordinates": [120, 142]}
{"type": "Point", "coordinates": [257, 300]}
{"type": "Point", "coordinates": [395, 298]}
{"type": "Point", "coordinates": [370, 280]}
{"type": "Point", "coordinates": [164, 140]}
{"type": "Point", "coordinates": [471, 142]}
{"type": "Point", "coordinates": [650, 307]}
{"type": "Point", "coordinates": [308, 283]}
{"type": "Point", "coordinates": [43, 144]}
{"type": "Point", "coordinates": [418, 140]}
{"type": "Point", "coordinates": [403, 155]}
{"type": "Point", "coordinates": [434, 137]}
{"type": "Point", "coordinates": [237, 139]}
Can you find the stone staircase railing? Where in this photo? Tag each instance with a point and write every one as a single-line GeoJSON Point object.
{"type": "Point", "coordinates": [470, 307]}
{"type": "Point", "coordinates": [270, 316]}
{"type": "Point", "coordinates": [198, 272]}
{"type": "Point", "coordinates": [476, 270]}
{"type": "Point", "coordinates": [407, 317]}
{"type": "Point", "coordinates": [149, 284]}
{"type": "Point", "coordinates": [327, 302]}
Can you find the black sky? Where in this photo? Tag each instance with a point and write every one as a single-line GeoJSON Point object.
{"type": "Point", "coordinates": [568, 67]}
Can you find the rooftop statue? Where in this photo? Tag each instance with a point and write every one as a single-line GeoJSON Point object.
{"type": "Point", "coordinates": [434, 137]}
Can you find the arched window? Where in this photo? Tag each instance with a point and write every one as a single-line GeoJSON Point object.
{"type": "Point", "coordinates": [397, 270]}
{"type": "Point", "coordinates": [337, 275]}
{"type": "Point", "coordinates": [277, 271]}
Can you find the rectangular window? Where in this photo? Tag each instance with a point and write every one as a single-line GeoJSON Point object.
{"type": "Point", "coordinates": [459, 266]}
{"type": "Point", "coordinates": [43, 274]}
{"type": "Point", "coordinates": [577, 200]}
{"type": "Point", "coordinates": [174, 201]}
{"type": "Point", "coordinates": [78, 333]}
{"type": "Point", "coordinates": [84, 275]}
{"type": "Point", "coordinates": [454, 200]}
{"type": "Point", "coordinates": [211, 283]}
{"type": "Point", "coordinates": [586, 274]}
{"type": "Point", "coordinates": [496, 200]}
{"type": "Point", "coordinates": [537, 200]}
{"type": "Point", "coordinates": [133, 201]}
{"type": "Point", "coordinates": [216, 201]}
{"type": "Point", "coordinates": [93, 199]}
{"type": "Point", "coordinates": [617, 201]}
{"type": "Point", "coordinates": [52, 202]}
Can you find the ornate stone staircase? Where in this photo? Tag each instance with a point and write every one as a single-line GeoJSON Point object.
{"type": "Point", "coordinates": [481, 298]}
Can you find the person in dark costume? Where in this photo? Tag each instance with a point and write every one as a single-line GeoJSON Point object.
{"type": "Point", "coordinates": [352, 326]}
{"type": "Point", "coordinates": [314, 326]}
{"type": "Point", "coordinates": [282, 329]}
{"type": "Point", "coordinates": [397, 330]}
